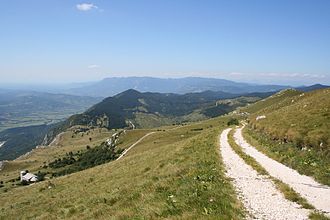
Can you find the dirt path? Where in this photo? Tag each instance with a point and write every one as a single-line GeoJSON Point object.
{"type": "Point", "coordinates": [316, 194]}
{"type": "Point", "coordinates": [2, 143]}
{"type": "Point", "coordinates": [2, 164]}
{"type": "Point", "coordinates": [133, 145]}
{"type": "Point", "coordinates": [258, 193]}
{"type": "Point", "coordinates": [56, 140]}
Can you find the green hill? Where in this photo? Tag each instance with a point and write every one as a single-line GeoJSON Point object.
{"type": "Point", "coordinates": [294, 128]}
{"type": "Point", "coordinates": [173, 173]}
{"type": "Point", "coordinates": [271, 101]}
{"type": "Point", "coordinates": [302, 118]}
{"type": "Point", "coordinates": [113, 112]}
{"type": "Point", "coordinates": [155, 109]}
{"type": "Point", "coordinates": [143, 110]}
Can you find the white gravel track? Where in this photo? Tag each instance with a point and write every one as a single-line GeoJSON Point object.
{"type": "Point", "coordinates": [315, 193]}
{"type": "Point", "coordinates": [133, 145]}
{"type": "Point", "coordinates": [258, 193]}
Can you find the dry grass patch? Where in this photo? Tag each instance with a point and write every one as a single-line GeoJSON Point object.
{"type": "Point", "coordinates": [170, 174]}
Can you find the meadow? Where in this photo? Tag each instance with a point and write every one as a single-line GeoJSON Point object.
{"type": "Point", "coordinates": [173, 173]}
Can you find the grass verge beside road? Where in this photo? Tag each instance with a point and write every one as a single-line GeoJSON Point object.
{"type": "Point", "coordinates": [287, 191]}
{"type": "Point", "coordinates": [307, 161]}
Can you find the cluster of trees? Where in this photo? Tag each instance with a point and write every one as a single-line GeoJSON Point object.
{"type": "Point", "coordinates": [74, 162]}
{"type": "Point", "coordinates": [217, 110]}
{"type": "Point", "coordinates": [69, 159]}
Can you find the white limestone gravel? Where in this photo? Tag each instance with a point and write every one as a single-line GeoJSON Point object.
{"type": "Point", "coordinates": [258, 193]}
{"type": "Point", "coordinates": [133, 145]}
{"type": "Point", "coordinates": [315, 193]}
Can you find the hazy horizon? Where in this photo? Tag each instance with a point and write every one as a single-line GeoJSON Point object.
{"type": "Point", "coordinates": [61, 85]}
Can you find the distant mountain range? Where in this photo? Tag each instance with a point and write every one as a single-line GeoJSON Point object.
{"type": "Point", "coordinates": [114, 85]}
{"type": "Point", "coordinates": [312, 87]}
{"type": "Point", "coordinates": [111, 86]}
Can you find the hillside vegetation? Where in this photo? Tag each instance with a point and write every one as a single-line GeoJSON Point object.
{"type": "Point", "coordinates": [67, 142]}
{"type": "Point", "coordinates": [127, 109]}
{"type": "Point", "coordinates": [114, 112]}
{"type": "Point", "coordinates": [295, 130]}
{"type": "Point", "coordinates": [272, 101]}
{"type": "Point", "coordinates": [301, 118]}
{"type": "Point", "coordinates": [174, 173]}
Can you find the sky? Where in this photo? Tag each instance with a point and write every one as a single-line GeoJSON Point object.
{"type": "Point", "coordinates": [256, 41]}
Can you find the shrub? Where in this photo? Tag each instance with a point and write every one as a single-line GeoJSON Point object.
{"type": "Point", "coordinates": [41, 176]}
{"type": "Point", "coordinates": [196, 129]}
{"type": "Point", "coordinates": [233, 121]}
{"type": "Point", "coordinates": [91, 157]}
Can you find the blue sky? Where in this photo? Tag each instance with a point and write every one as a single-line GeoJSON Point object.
{"type": "Point", "coordinates": [279, 41]}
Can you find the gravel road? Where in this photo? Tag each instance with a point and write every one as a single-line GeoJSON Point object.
{"type": "Point", "coordinates": [316, 194]}
{"type": "Point", "coordinates": [133, 145]}
{"type": "Point", "coordinates": [258, 193]}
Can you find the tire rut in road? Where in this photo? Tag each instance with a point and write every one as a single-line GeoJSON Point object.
{"type": "Point", "coordinates": [315, 193]}
{"type": "Point", "coordinates": [258, 193]}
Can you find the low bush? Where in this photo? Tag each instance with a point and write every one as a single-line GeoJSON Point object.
{"type": "Point", "coordinates": [233, 121]}
{"type": "Point", "coordinates": [91, 157]}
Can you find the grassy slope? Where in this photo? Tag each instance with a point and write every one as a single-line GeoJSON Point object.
{"type": "Point", "coordinates": [33, 161]}
{"type": "Point", "coordinates": [271, 101]}
{"type": "Point", "coordinates": [309, 162]}
{"type": "Point", "coordinates": [303, 119]}
{"type": "Point", "coordinates": [145, 120]}
{"type": "Point", "coordinates": [295, 126]}
{"type": "Point", "coordinates": [171, 174]}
